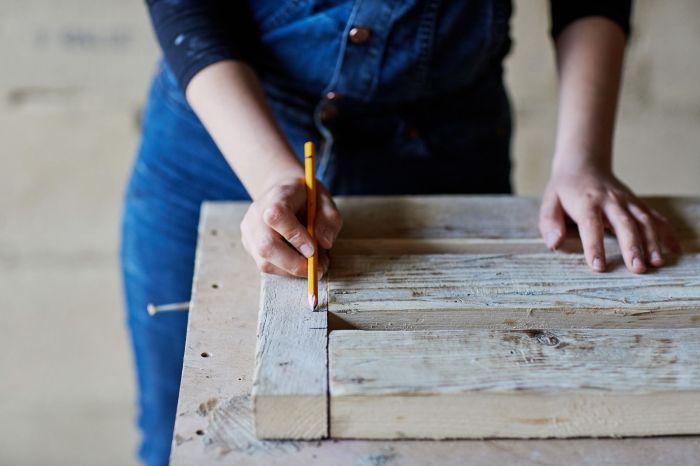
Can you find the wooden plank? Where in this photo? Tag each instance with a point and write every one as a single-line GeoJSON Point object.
{"type": "Point", "coordinates": [413, 217]}
{"type": "Point", "coordinates": [398, 246]}
{"type": "Point", "coordinates": [214, 422]}
{"type": "Point", "coordinates": [523, 384]}
{"type": "Point", "coordinates": [509, 291]}
{"type": "Point", "coordinates": [290, 386]}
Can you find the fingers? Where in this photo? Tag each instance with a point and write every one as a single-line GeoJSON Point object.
{"type": "Point", "coordinates": [280, 215]}
{"type": "Point", "coordinates": [552, 223]}
{"type": "Point", "coordinates": [667, 235]}
{"type": "Point", "coordinates": [269, 248]}
{"type": "Point", "coordinates": [273, 235]}
{"type": "Point", "coordinates": [324, 262]}
{"type": "Point", "coordinates": [647, 227]}
{"type": "Point", "coordinates": [627, 233]}
{"type": "Point", "coordinates": [591, 229]}
{"type": "Point", "coordinates": [328, 220]}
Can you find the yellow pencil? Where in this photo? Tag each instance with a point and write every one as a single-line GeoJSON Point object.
{"type": "Point", "coordinates": [310, 175]}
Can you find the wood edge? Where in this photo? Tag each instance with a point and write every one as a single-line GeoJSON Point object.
{"type": "Point", "coordinates": [307, 415]}
{"type": "Point", "coordinates": [540, 418]}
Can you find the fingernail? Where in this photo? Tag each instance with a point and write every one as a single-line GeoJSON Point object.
{"type": "Point", "coordinates": [637, 263]}
{"type": "Point", "coordinates": [598, 263]}
{"type": "Point", "coordinates": [307, 250]}
{"type": "Point", "coordinates": [552, 238]}
{"type": "Point", "coordinates": [656, 257]}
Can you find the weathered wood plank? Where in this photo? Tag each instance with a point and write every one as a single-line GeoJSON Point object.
{"type": "Point", "coordinates": [413, 217]}
{"type": "Point", "coordinates": [439, 217]}
{"type": "Point", "coordinates": [398, 246]}
{"type": "Point", "coordinates": [290, 387]}
{"type": "Point", "coordinates": [506, 291]}
{"type": "Point", "coordinates": [524, 384]}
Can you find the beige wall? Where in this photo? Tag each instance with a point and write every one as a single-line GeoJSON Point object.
{"type": "Point", "coordinates": [73, 78]}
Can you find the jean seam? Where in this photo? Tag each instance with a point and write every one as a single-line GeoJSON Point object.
{"type": "Point", "coordinates": [425, 38]}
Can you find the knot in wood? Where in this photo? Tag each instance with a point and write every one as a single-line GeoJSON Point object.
{"type": "Point", "coordinates": [543, 337]}
{"type": "Point", "coordinates": [547, 339]}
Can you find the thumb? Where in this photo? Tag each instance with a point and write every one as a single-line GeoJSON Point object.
{"type": "Point", "coordinates": [552, 224]}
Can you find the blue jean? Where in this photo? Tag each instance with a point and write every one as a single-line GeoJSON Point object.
{"type": "Point", "coordinates": [457, 143]}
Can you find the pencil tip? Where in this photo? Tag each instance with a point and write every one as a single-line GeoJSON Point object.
{"type": "Point", "coordinates": [313, 301]}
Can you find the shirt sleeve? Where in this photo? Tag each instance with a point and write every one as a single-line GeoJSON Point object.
{"type": "Point", "coordinates": [565, 12]}
{"type": "Point", "coordinates": [196, 33]}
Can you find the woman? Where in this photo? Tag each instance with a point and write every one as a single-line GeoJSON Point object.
{"type": "Point", "coordinates": [403, 96]}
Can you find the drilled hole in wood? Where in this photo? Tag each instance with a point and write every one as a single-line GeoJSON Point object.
{"type": "Point", "coordinates": [205, 354]}
{"type": "Point", "coordinates": [214, 232]}
{"type": "Point", "coordinates": [215, 285]}
{"type": "Point", "coordinates": [199, 432]}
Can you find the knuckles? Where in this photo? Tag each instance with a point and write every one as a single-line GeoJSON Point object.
{"type": "Point", "coordinates": [295, 237]}
{"type": "Point", "coordinates": [266, 267]}
{"type": "Point", "coordinates": [334, 217]}
{"type": "Point", "coordinates": [273, 214]}
{"type": "Point", "coordinates": [265, 246]}
{"type": "Point", "coordinates": [299, 270]}
{"type": "Point", "coordinates": [627, 222]}
{"type": "Point", "coordinates": [644, 218]}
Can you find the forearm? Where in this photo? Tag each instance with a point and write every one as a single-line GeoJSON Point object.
{"type": "Point", "coordinates": [589, 54]}
{"type": "Point", "coordinates": [229, 100]}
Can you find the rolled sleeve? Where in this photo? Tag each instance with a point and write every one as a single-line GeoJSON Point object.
{"type": "Point", "coordinates": [196, 33]}
{"type": "Point", "coordinates": [565, 12]}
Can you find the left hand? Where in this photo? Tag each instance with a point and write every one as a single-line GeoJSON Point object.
{"type": "Point", "coordinates": [595, 199]}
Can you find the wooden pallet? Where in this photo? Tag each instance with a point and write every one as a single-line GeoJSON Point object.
{"type": "Point", "coordinates": [451, 320]}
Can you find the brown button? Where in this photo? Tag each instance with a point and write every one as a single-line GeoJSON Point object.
{"type": "Point", "coordinates": [328, 113]}
{"type": "Point", "coordinates": [412, 133]}
{"type": "Point", "coordinates": [359, 35]}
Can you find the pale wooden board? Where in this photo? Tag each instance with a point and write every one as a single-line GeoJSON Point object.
{"type": "Point", "coordinates": [415, 217]}
{"type": "Point", "coordinates": [290, 384]}
{"type": "Point", "coordinates": [525, 384]}
{"type": "Point", "coordinates": [385, 246]}
{"type": "Point", "coordinates": [445, 291]}
{"type": "Point", "coordinates": [214, 423]}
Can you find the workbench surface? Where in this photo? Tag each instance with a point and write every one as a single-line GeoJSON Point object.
{"type": "Point", "coordinates": [214, 422]}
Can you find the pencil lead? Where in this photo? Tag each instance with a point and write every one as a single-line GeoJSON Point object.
{"type": "Point", "coordinates": [313, 301]}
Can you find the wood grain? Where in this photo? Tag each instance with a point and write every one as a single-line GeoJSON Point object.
{"type": "Point", "coordinates": [447, 291]}
{"type": "Point", "coordinates": [486, 383]}
{"type": "Point", "coordinates": [398, 246]}
{"type": "Point", "coordinates": [508, 217]}
{"type": "Point", "coordinates": [290, 385]}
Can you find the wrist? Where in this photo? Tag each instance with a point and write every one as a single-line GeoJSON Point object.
{"type": "Point", "coordinates": [576, 161]}
{"type": "Point", "coordinates": [286, 176]}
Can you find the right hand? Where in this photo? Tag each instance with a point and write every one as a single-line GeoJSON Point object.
{"type": "Point", "coordinates": [272, 233]}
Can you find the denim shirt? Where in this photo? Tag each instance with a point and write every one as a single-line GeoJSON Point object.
{"type": "Point", "coordinates": [372, 51]}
